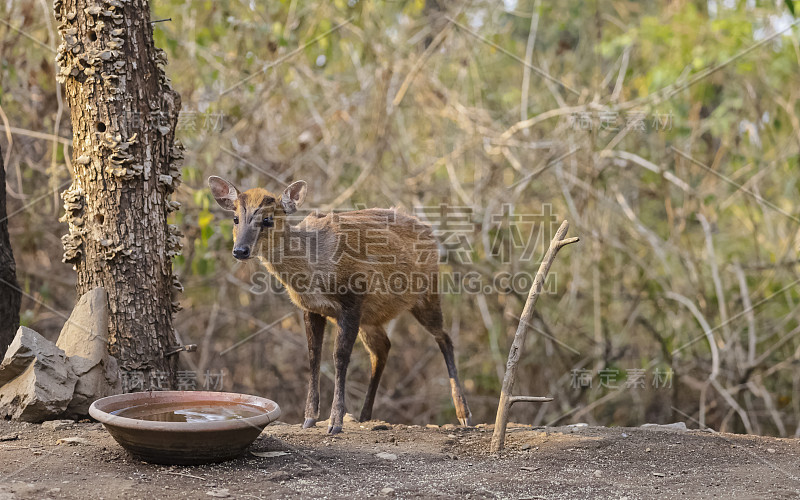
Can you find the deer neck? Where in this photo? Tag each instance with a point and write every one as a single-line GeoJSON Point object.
{"type": "Point", "coordinates": [286, 251]}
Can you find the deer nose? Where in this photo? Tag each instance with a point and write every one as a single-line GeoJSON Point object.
{"type": "Point", "coordinates": [241, 252]}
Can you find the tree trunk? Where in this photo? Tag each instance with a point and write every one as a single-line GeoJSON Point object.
{"type": "Point", "coordinates": [125, 168]}
{"type": "Point", "coordinates": [10, 295]}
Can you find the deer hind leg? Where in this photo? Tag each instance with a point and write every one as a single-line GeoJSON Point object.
{"type": "Point", "coordinates": [377, 343]}
{"type": "Point", "coordinates": [315, 331]}
{"type": "Point", "coordinates": [430, 316]}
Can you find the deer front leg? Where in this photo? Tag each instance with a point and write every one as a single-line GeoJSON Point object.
{"type": "Point", "coordinates": [315, 331]}
{"type": "Point", "coordinates": [348, 322]}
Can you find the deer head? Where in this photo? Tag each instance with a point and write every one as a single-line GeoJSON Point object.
{"type": "Point", "coordinates": [256, 211]}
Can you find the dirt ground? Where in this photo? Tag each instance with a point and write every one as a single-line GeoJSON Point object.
{"type": "Point", "coordinates": [376, 459]}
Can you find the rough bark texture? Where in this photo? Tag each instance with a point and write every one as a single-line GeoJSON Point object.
{"type": "Point", "coordinates": [126, 166]}
{"type": "Point", "coordinates": [10, 295]}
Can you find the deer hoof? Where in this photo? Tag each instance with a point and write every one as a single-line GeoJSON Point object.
{"type": "Point", "coordinates": [466, 421]}
{"type": "Point", "coordinates": [309, 422]}
{"type": "Point", "coordinates": [334, 429]}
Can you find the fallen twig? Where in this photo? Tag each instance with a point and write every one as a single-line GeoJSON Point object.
{"type": "Point", "coordinates": [185, 474]}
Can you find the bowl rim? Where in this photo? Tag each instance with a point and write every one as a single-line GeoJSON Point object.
{"type": "Point", "coordinates": [258, 421]}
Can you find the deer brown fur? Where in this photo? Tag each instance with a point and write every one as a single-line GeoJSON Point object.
{"type": "Point", "coordinates": [359, 269]}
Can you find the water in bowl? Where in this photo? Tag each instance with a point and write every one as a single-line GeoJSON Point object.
{"type": "Point", "coordinates": [194, 412]}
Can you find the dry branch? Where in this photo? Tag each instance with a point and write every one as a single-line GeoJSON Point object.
{"type": "Point", "coordinates": [506, 399]}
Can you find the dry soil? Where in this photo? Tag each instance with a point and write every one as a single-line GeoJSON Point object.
{"type": "Point", "coordinates": [377, 459]}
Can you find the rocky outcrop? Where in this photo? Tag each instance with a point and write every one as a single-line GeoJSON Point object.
{"type": "Point", "coordinates": [40, 380]}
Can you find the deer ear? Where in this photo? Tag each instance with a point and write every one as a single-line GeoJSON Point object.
{"type": "Point", "coordinates": [293, 196]}
{"type": "Point", "coordinates": [224, 192]}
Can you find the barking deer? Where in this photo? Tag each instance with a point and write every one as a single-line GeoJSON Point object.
{"type": "Point", "coordinates": [359, 269]}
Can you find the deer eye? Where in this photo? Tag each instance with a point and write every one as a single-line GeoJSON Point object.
{"type": "Point", "coordinates": [235, 219]}
{"type": "Point", "coordinates": [267, 222]}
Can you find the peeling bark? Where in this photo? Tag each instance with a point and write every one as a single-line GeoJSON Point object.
{"type": "Point", "coordinates": [10, 295]}
{"type": "Point", "coordinates": [125, 168]}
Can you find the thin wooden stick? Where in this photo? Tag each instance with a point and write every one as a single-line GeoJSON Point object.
{"type": "Point", "coordinates": [529, 399]}
{"type": "Point", "coordinates": [506, 399]}
{"type": "Point", "coordinates": [174, 473]}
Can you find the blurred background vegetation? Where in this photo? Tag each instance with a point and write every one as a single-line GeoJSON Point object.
{"type": "Point", "coordinates": [666, 132]}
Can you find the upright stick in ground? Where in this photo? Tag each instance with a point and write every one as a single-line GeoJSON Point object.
{"type": "Point", "coordinates": [506, 399]}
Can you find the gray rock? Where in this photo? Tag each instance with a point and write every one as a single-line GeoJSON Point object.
{"type": "Point", "coordinates": [86, 330]}
{"type": "Point", "coordinates": [219, 493]}
{"type": "Point", "coordinates": [44, 388]}
{"type": "Point", "coordinates": [72, 441]}
{"type": "Point", "coordinates": [279, 476]}
{"type": "Point", "coordinates": [677, 426]}
{"type": "Point", "coordinates": [57, 425]}
{"type": "Point", "coordinates": [84, 339]}
{"type": "Point", "coordinates": [19, 355]}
